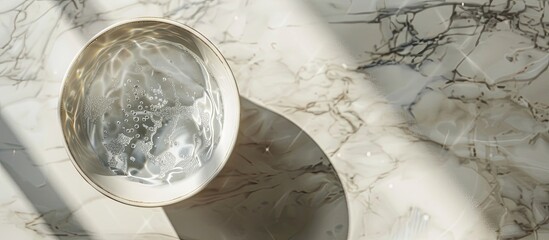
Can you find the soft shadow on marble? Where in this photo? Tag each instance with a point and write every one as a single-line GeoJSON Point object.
{"type": "Point", "coordinates": [50, 216]}
{"type": "Point", "coordinates": [278, 184]}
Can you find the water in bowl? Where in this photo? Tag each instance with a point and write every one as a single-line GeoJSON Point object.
{"type": "Point", "coordinates": [153, 112]}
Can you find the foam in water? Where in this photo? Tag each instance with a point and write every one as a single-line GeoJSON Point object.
{"type": "Point", "coordinates": [152, 111]}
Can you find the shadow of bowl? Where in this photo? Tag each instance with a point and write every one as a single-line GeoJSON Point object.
{"type": "Point", "coordinates": [277, 184]}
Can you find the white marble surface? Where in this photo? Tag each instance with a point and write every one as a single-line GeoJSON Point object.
{"type": "Point", "coordinates": [433, 113]}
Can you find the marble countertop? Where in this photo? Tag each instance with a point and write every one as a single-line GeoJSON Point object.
{"type": "Point", "coordinates": [434, 114]}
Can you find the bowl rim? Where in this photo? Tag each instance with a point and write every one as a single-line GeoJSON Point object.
{"type": "Point", "coordinates": [236, 109]}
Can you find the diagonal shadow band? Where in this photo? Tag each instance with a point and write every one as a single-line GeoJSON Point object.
{"type": "Point", "coordinates": [30, 179]}
{"type": "Point", "coordinates": [277, 184]}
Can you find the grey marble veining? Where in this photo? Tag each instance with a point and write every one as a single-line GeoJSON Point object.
{"type": "Point", "coordinates": [471, 79]}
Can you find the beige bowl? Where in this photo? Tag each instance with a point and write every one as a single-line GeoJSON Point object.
{"type": "Point", "coordinates": [161, 138]}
